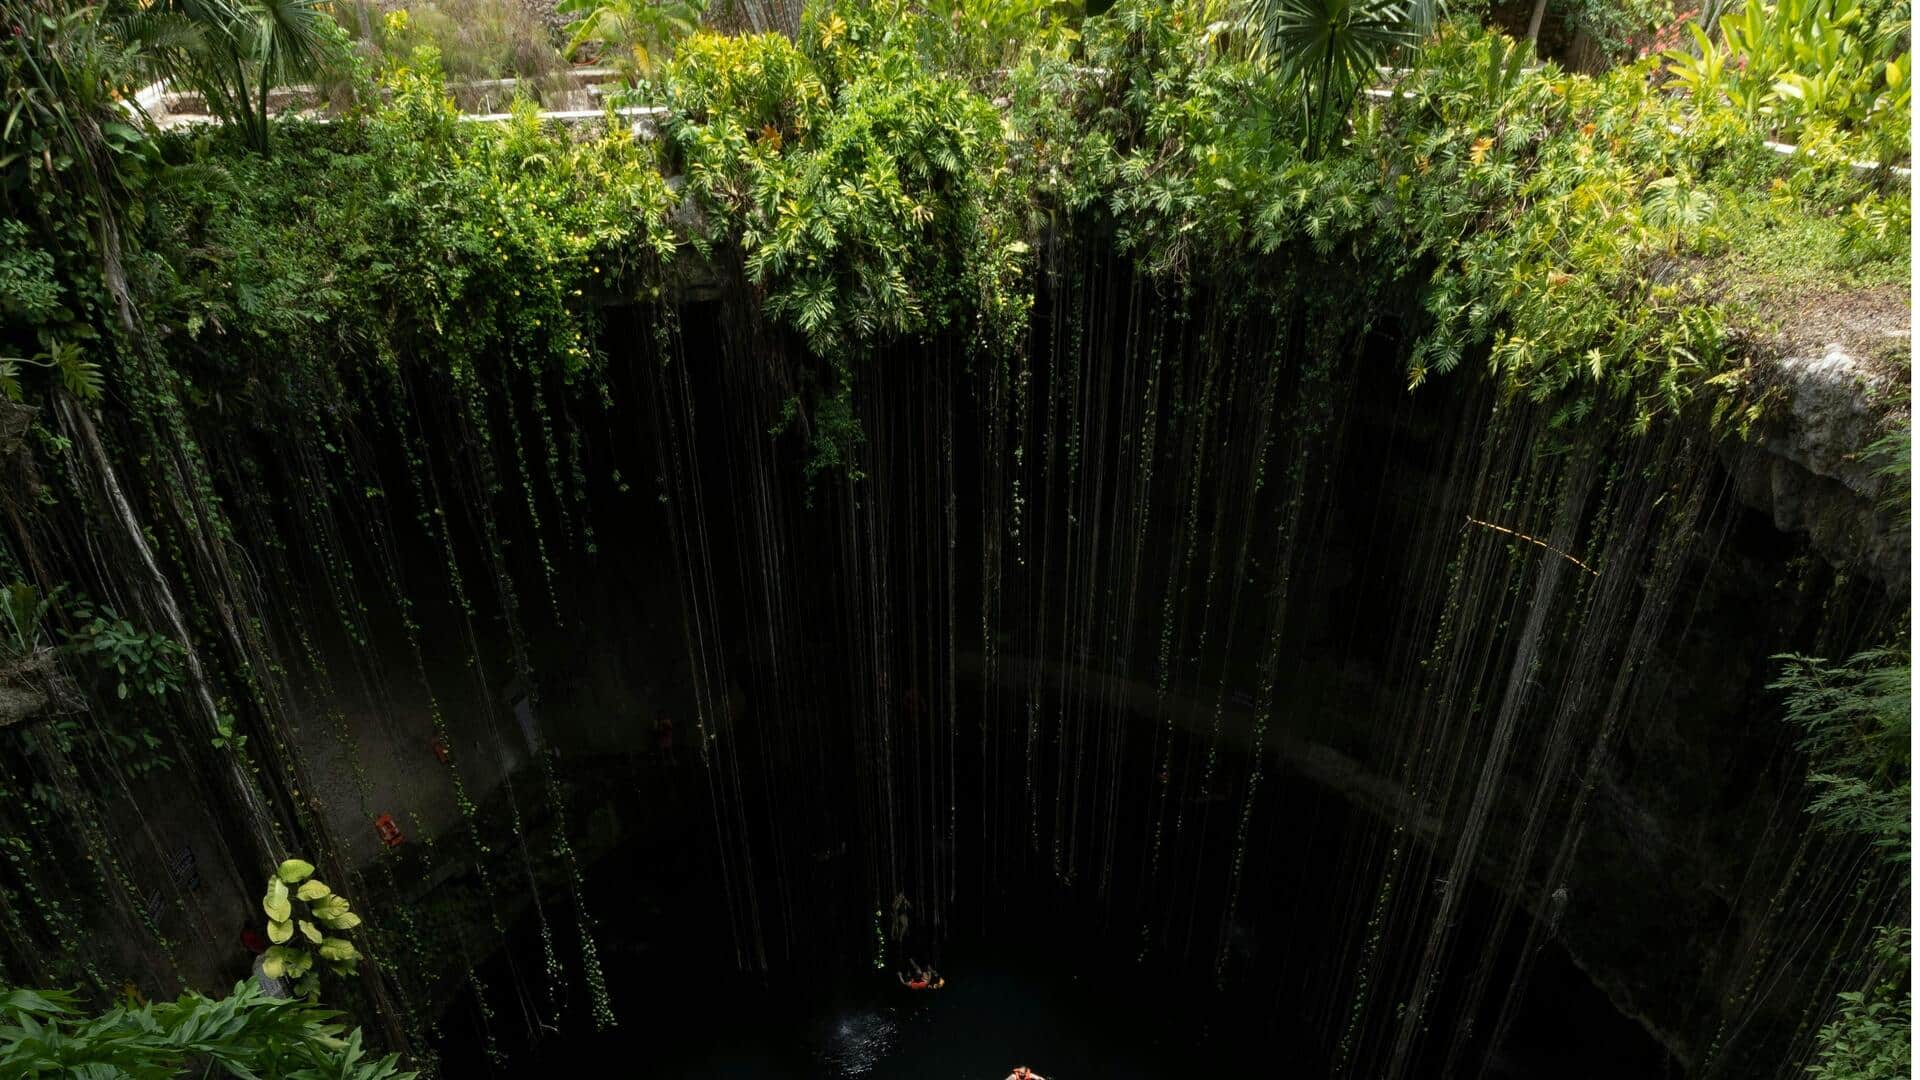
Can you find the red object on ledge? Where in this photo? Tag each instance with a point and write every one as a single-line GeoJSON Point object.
{"type": "Point", "coordinates": [389, 832]}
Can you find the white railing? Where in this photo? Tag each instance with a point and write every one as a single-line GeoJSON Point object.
{"type": "Point", "coordinates": [162, 104]}
{"type": "Point", "coordinates": [157, 101]}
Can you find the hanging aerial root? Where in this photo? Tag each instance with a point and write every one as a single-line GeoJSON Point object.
{"type": "Point", "coordinates": [1534, 541]}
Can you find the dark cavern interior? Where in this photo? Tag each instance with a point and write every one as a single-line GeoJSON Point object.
{"type": "Point", "coordinates": [920, 539]}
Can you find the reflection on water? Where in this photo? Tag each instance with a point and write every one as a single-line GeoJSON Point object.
{"type": "Point", "coordinates": [855, 1042]}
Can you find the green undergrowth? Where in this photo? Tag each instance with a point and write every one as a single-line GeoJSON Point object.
{"type": "Point", "coordinates": [1557, 227]}
{"type": "Point", "coordinates": [247, 1033]}
{"type": "Point", "coordinates": [403, 236]}
{"type": "Point", "coordinates": [1800, 280]}
{"type": "Point", "coordinates": [1790, 246]}
{"type": "Point", "coordinates": [865, 196]}
{"type": "Point", "coordinates": [1589, 239]}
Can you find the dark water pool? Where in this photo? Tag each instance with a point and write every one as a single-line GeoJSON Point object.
{"type": "Point", "coordinates": [1000, 1008]}
{"type": "Point", "coordinates": [1005, 1006]}
{"type": "Point", "coordinates": [987, 1020]}
{"type": "Point", "coordinates": [1040, 982]}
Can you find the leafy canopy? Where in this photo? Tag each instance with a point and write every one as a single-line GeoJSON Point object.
{"type": "Point", "coordinates": [246, 1034]}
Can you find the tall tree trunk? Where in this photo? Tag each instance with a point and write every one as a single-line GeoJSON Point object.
{"type": "Point", "coordinates": [266, 66]}
{"type": "Point", "coordinates": [1533, 24]}
{"type": "Point", "coordinates": [240, 786]}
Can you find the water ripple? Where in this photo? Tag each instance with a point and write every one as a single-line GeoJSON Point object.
{"type": "Point", "coordinates": [854, 1042]}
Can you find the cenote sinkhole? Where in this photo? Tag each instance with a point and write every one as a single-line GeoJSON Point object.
{"type": "Point", "coordinates": [1359, 539]}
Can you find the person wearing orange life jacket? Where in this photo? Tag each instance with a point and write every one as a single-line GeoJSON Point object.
{"type": "Point", "coordinates": [923, 978]}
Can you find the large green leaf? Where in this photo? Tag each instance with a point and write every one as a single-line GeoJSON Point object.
{"type": "Point", "coordinates": [275, 903]}
{"type": "Point", "coordinates": [293, 962]}
{"type": "Point", "coordinates": [279, 931]}
{"type": "Point", "coordinates": [295, 871]}
{"type": "Point", "coordinates": [46, 1002]}
{"type": "Point", "coordinates": [301, 966]}
{"type": "Point", "coordinates": [346, 920]}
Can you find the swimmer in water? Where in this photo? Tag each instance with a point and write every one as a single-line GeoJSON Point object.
{"type": "Point", "coordinates": [923, 978]}
{"type": "Point", "coordinates": [1021, 1072]}
{"type": "Point", "coordinates": [901, 906]}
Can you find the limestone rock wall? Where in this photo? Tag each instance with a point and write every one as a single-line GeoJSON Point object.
{"type": "Point", "coordinates": [1812, 468]}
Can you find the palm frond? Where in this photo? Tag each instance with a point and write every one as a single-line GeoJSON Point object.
{"type": "Point", "coordinates": [1326, 50]}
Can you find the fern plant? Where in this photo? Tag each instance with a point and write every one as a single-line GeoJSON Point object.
{"type": "Point", "coordinates": [1678, 207]}
{"type": "Point", "coordinates": [1854, 719]}
{"type": "Point", "coordinates": [1893, 455]}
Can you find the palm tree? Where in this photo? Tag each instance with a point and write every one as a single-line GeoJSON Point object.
{"type": "Point", "coordinates": [1533, 22]}
{"type": "Point", "coordinates": [1328, 49]}
{"type": "Point", "coordinates": [244, 49]}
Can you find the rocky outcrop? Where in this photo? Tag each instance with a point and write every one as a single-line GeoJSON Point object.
{"type": "Point", "coordinates": [1814, 468]}
{"type": "Point", "coordinates": [32, 685]}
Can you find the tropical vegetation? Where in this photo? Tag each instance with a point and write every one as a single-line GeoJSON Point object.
{"type": "Point", "coordinates": [1806, 71]}
{"type": "Point", "coordinates": [1534, 203]}
{"type": "Point", "coordinates": [887, 173]}
{"type": "Point", "coordinates": [45, 1033]}
{"type": "Point", "coordinates": [1855, 720]}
